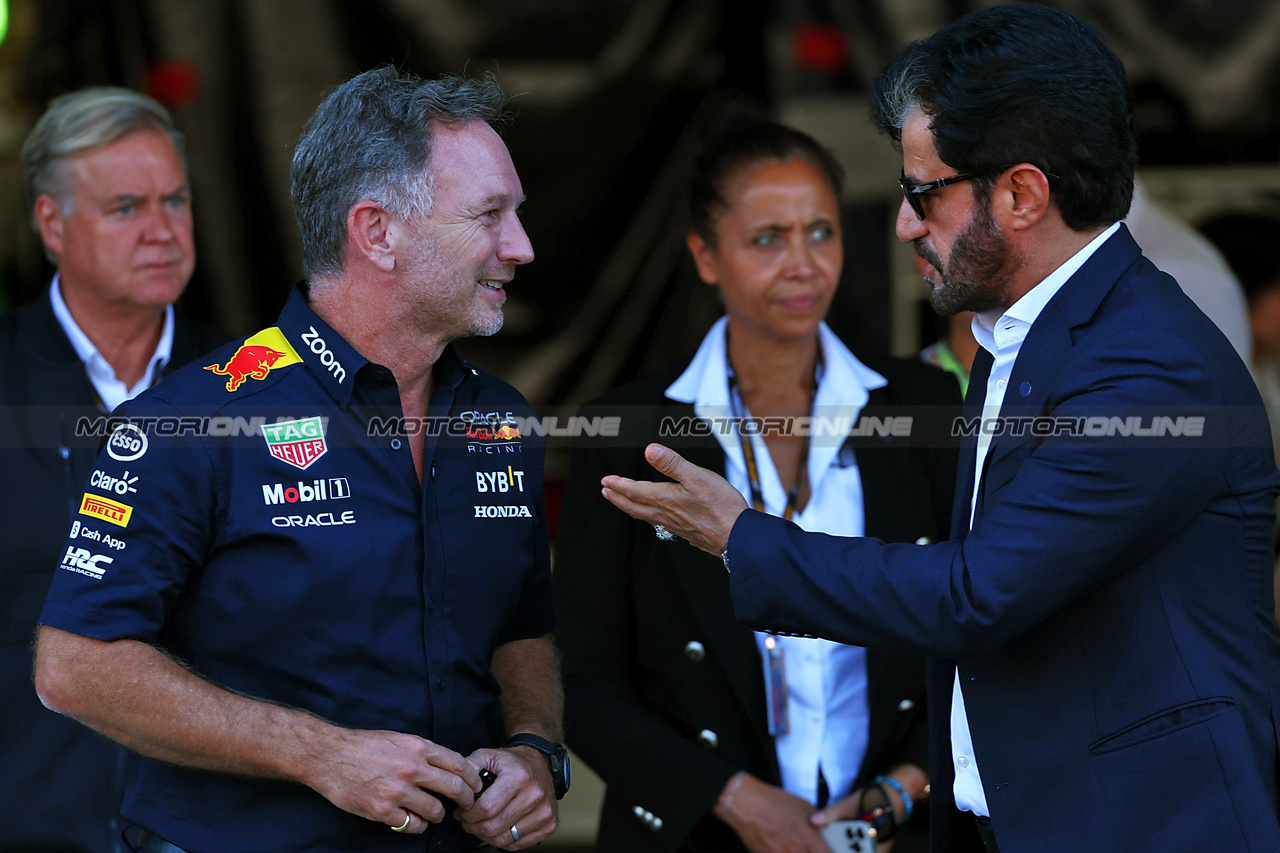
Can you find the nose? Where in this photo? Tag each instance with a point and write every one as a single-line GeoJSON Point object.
{"type": "Point", "coordinates": [159, 226]}
{"type": "Point", "coordinates": [800, 261]}
{"type": "Point", "coordinates": [909, 226]}
{"type": "Point", "coordinates": [515, 247]}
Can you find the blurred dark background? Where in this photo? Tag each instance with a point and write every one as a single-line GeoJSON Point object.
{"type": "Point", "coordinates": [613, 96]}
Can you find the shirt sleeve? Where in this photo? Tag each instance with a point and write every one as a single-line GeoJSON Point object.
{"type": "Point", "coordinates": [142, 528]}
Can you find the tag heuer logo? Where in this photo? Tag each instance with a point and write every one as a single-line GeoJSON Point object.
{"type": "Point", "coordinates": [297, 442]}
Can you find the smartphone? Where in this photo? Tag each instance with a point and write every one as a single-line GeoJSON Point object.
{"type": "Point", "coordinates": [850, 836]}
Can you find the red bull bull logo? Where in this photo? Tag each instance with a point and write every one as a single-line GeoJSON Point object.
{"type": "Point", "coordinates": [506, 432]}
{"type": "Point", "coordinates": [256, 357]}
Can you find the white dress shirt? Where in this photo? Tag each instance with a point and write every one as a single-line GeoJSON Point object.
{"type": "Point", "coordinates": [826, 681]}
{"type": "Point", "coordinates": [1002, 336]}
{"type": "Point", "coordinates": [111, 391]}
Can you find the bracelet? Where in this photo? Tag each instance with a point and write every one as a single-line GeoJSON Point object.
{"type": "Point", "coordinates": [728, 798]}
{"type": "Point", "coordinates": [902, 792]}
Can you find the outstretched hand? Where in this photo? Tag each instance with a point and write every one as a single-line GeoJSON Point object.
{"type": "Point", "coordinates": [699, 507]}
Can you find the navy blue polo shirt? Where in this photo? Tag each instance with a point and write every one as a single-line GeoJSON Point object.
{"type": "Point", "coordinates": [261, 518]}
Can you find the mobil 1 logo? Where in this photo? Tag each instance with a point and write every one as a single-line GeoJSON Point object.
{"type": "Point", "coordinates": [330, 489]}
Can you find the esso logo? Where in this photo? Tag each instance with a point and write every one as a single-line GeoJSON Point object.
{"type": "Point", "coordinates": [127, 443]}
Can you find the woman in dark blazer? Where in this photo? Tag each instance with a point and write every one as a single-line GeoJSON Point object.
{"type": "Point", "coordinates": [708, 736]}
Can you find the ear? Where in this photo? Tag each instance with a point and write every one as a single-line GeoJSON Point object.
{"type": "Point", "coordinates": [369, 235]}
{"type": "Point", "coordinates": [49, 220]}
{"type": "Point", "coordinates": [704, 258]}
{"type": "Point", "coordinates": [1024, 196]}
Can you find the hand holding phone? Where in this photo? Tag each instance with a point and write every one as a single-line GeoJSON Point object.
{"type": "Point", "coordinates": [850, 836]}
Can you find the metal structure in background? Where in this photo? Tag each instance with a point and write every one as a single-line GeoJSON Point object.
{"type": "Point", "coordinates": [609, 94]}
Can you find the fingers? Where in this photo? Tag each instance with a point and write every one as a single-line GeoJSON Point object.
{"type": "Point", "coordinates": [619, 491]}
{"type": "Point", "coordinates": [447, 773]}
{"type": "Point", "coordinates": [667, 461]}
{"type": "Point", "coordinates": [845, 808]}
{"type": "Point", "coordinates": [521, 797]}
{"type": "Point", "coordinates": [410, 819]}
{"type": "Point", "coordinates": [402, 781]}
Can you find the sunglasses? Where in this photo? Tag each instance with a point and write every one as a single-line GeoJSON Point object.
{"type": "Point", "coordinates": [914, 191]}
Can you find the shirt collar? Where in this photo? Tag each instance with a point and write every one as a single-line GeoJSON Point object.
{"type": "Point", "coordinates": [332, 360]}
{"type": "Point", "coordinates": [85, 348]}
{"type": "Point", "coordinates": [997, 332]}
{"type": "Point", "coordinates": [842, 392]}
{"type": "Point", "coordinates": [706, 380]}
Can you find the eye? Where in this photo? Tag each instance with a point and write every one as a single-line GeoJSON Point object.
{"type": "Point", "coordinates": [177, 201]}
{"type": "Point", "coordinates": [822, 233]}
{"type": "Point", "coordinates": [125, 209]}
{"type": "Point", "coordinates": [765, 240]}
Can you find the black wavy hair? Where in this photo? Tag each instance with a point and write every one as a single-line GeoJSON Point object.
{"type": "Point", "coordinates": [1021, 83]}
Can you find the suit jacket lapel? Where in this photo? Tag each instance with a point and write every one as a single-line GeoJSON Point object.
{"type": "Point", "coordinates": [1040, 356]}
{"type": "Point", "coordinates": [973, 401]}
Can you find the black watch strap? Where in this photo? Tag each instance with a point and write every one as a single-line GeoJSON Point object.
{"type": "Point", "coordinates": [557, 758]}
{"type": "Point", "coordinates": [546, 747]}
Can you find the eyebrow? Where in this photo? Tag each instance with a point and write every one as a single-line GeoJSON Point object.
{"type": "Point", "coordinates": [183, 189]}
{"type": "Point", "coordinates": [500, 199]}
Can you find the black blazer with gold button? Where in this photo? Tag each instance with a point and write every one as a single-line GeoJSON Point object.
{"type": "Point", "coordinates": [664, 695]}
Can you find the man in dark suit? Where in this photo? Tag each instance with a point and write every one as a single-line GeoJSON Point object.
{"type": "Point", "coordinates": [108, 192]}
{"type": "Point", "coordinates": [1105, 674]}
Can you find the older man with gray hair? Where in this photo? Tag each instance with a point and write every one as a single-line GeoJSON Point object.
{"type": "Point", "coordinates": [108, 194]}
{"type": "Point", "coordinates": [329, 631]}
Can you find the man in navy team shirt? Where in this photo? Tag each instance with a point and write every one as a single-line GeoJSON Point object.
{"type": "Point", "coordinates": [308, 617]}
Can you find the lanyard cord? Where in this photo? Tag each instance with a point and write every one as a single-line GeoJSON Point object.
{"type": "Point", "coordinates": [748, 451]}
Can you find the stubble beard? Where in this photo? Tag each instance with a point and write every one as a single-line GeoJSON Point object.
{"type": "Point", "coordinates": [977, 275]}
{"type": "Point", "coordinates": [441, 295]}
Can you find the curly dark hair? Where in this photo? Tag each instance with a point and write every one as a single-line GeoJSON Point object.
{"type": "Point", "coordinates": [1022, 83]}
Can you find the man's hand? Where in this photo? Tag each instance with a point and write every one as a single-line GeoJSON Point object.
{"type": "Point", "coordinates": [139, 696]}
{"type": "Point", "coordinates": [699, 507]}
{"type": "Point", "coordinates": [391, 777]}
{"type": "Point", "coordinates": [523, 796]}
{"type": "Point", "coordinates": [767, 818]}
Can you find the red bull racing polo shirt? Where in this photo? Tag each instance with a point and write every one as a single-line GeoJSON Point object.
{"type": "Point", "coordinates": [258, 514]}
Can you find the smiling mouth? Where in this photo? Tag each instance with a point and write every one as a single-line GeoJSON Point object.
{"type": "Point", "coordinates": [492, 284]}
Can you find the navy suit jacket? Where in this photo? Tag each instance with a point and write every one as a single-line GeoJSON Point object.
{"type": "Point", "coordinates": [1110, 611]}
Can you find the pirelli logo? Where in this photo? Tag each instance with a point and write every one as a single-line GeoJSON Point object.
{"type": "Point", "coordinates": [106, 509]}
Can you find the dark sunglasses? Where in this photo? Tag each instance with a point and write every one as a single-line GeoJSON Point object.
{"type": "Point", "coordinates": [913, 191]}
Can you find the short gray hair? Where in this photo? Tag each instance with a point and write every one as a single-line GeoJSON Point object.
{"type": "Point", "coordinates": [900, 93]}
{"type": "Point", "coordinates": [79, 122]}
{"type": "Point", "coordinates": [371, 140]}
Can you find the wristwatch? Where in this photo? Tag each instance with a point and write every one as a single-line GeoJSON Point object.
{"type": "Point", "coordinates": [557, 757]}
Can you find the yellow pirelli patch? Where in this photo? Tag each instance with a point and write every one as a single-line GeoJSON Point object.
{"type": "Point", "coordinates": [106, 509]}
